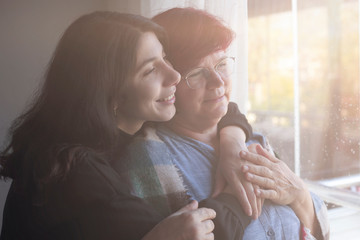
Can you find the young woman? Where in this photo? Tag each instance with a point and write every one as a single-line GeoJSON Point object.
{"type": "Point", "coordinates": [109, 74]}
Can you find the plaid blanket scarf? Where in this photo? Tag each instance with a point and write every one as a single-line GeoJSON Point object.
{"type": "Point", "coordinates": [148, 169]}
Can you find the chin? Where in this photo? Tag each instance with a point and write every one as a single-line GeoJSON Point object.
{"type": "Point", "coordinates": [222, 107]}
{"type": "Point", "coordinates": [217, 113]}
{"type": "Point", "coordinates": [165, 115]}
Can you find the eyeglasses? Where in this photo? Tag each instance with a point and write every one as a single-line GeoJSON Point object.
{"type": "Point", "coordinates": [196, 78]}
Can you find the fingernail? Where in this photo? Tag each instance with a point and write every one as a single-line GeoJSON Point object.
{"type": "Point", "coordinates": [249, 212]}
{"type": "Point", "coordinates": [249, 175]}
{"type": "Point", "coordinates": [245, 168]}
{"type": "Point", "coordinates": [243, 153]}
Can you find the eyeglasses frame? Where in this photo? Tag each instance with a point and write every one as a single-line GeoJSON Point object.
{"type": "Point", "coordinates": [208, 69]}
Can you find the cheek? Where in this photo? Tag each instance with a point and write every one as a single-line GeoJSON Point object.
{"type": "Point", "coordinates": [228, 85]}
{"type": "Point", "coordinates": [144, 94]}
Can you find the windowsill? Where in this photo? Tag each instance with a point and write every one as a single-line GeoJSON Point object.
{"type": "Point", "coordinates": [344, 223]}
{"type": "Point", "coordinates": [335, 194]}
{"type": "Point", "coordinates": [344, 219]}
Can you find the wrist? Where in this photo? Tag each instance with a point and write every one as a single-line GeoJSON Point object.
{"type": "Point", "coordinates": [302, 201]}
{"type": "Point", "coordinates": [304, 210]}
{"type": "Point", "coordinates": [232, 138]}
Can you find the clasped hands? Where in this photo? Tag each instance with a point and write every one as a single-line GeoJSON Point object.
{"type": "Point", "coordinates": [256, 175]}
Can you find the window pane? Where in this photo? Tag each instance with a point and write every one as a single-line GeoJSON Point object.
{"type": "Point", "coordinates": [328, 56]}
{"type": "Point", "coordinates": [329, 89]}
{"type": "Point", "coordinates": [271, 85]}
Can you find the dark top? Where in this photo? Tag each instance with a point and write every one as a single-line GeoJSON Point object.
{"type": "Point", "coordinates": [231, 220]}
{"type": "Point", "coordinates": [234, 117]}
{"type": "Point", "coordinates": [94, 203]}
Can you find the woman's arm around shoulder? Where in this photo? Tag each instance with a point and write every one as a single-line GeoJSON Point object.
{"type": "Point", "coordinates": [102, 204]}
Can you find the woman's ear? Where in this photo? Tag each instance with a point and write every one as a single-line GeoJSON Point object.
{"type": "Point", "coordinates": [118, 103]}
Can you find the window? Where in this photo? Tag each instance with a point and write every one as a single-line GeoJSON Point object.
{"type": "Point", "coordinates": [311, 93]}
{"type": "Point", "coordinates": [304, 95]}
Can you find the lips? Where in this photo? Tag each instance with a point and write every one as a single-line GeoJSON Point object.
{"type": "Point", "coordinates": [215, 99]}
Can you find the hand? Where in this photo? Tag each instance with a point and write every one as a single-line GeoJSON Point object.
{"type": "Point", "coordinates": [259, 200]}
{"type": "Point", "coordinates": [232, 141]}
{"type": "Point", "coordinates": [278, 183]}
{"type": "Point", "coordinates": [188, 223]}
{"type": "Point", "coordinates": [281, 185]}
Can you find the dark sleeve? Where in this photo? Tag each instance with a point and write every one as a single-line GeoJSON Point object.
{"type": "Point", "coordinates": [230, 221]}
{"type": "Point", "coordinates": [103, 207]}
{"type": "Point", "coordinates": [234, 117]}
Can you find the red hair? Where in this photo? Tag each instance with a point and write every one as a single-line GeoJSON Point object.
{"type": "Point", "coordinates": [193, 34]}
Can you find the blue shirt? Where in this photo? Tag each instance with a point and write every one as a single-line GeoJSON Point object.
{"type": "Point", "coordinates": [197, 164]}
{"type": "Point", "coordinates": [195, 160]}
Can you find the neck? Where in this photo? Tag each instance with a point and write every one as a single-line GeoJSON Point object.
{"type": "Point", "coordinates": [200, 132]}
{"type": "Point", "coordinates": [129, 126]}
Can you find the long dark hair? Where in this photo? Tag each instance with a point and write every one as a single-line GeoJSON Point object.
{"type": "Point", "coordinates": [73, 114]}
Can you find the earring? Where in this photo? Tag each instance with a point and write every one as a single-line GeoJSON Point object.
{"type": "Point", "coordinates": [115, 111]}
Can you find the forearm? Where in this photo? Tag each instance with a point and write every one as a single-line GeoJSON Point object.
{"type": "Point", "coordinates": [231, 221]}
{"type": "Point", "coordinates": [233, 136]}
{"type": "Point", "coordinates": [232, 141]}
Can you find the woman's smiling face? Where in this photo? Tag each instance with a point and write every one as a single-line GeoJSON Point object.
{"type": "Point", "coordinates": [209, 102]}
{"type": "Point", "coordinates": [149, 94]}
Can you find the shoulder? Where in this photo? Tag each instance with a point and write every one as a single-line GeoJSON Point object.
{"type": "Point", "coordinates": [144, 152]}
{"type": "Point", "coordinates": [94, 178]}
{"type": "Point", "coordinates": [103, 205]}
{"type": "Point", "coordinates": [147, 145]}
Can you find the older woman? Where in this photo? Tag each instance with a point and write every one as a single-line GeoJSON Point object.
{"type": "Point", "coordinates": [180, 156]}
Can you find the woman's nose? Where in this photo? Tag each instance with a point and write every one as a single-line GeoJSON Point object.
{"type": "Point", "coordinates": [172, 77]}
{"type": "Point", "coordinates": [214, 80]}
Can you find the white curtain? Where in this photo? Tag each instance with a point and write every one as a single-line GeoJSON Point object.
{"type": "Point", "coordinates": [233, 12]}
